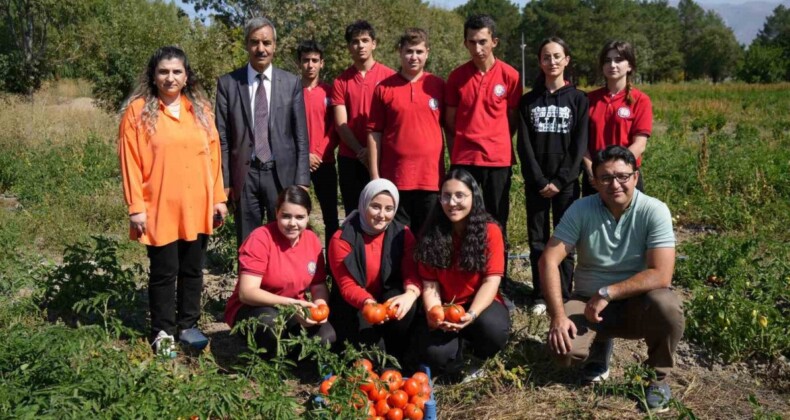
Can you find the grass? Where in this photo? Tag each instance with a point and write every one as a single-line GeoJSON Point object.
{"type": "Point", "coordinates": [719, 157]}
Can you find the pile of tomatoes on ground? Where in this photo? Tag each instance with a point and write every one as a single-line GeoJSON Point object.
{"type": "Point", "coordinates": [389, 395]}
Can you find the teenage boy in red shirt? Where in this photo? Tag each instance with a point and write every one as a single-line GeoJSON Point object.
{"type": "Point", "coordinates": [321, 132]}
{"type": "Point", "coordinates": [481, 99]}
{"type": "Point", "coordinates": [351, 97]}
{"type": "Point", "coordinates": [405, 134]}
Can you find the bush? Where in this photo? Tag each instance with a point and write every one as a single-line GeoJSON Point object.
{"type": "Point", "coordinates": [763, 64]}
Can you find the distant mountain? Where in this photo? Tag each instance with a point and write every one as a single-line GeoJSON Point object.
{"type": "Point", "coordinates": [745, 18]}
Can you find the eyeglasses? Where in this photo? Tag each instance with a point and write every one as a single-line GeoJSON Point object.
{"type": "Point", "coordinates": [448, 198]}
{"type": "Point", "coordinates": [621, 178]}
{"type": "Point", "coordinates": [615, 60]}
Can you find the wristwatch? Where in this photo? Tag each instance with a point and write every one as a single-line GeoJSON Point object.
{"type": "Point", "coordinates": [603, 292]}
{"type": "Point", "coordinates": [473, 313]}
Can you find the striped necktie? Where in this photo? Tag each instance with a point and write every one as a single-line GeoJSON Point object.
{"type": "Point", "coordinates": [260, 128]}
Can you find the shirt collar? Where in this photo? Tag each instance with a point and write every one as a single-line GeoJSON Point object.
{"type": "Point", "coordinates": [252, 74]}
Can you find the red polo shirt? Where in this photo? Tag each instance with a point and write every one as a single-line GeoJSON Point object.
{"type": "Point", "coordinates": [482, 130]}
{"type": "Point", "coordinates": [320, 121]}
{"type": "Point", "coordinates": [355, 92]}
{"type": "Point", "coordinates": [351, 291]}
{"type": "Point", "coordinates": [284, 270]}
{"type": "Point", "coordinates": [456, 285]}
{"type": "Point", "coordinates": [408, 116]}
{"type": "Point", "coordinates": [613, 122]}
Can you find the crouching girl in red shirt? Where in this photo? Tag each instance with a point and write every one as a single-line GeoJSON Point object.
{"type": "Point", "coordinates": [278, 263]}
{"type": "Point", "coordinates": [461, 259]}
{"type": "Point", "coordinates": [371, 258]}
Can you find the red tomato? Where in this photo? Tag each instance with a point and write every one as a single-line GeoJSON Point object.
{"type": "Point", "coordinates": [326, 384]}
{"type": "Point", "coordinates": [393, 379]}
{"type": "Point", "coordinates": [367, 364]}
{"type": "Point", "coordinates": [371, 411]}
{"type": "Point", "coordinates": [378, 392]}
{"type": "Point", "coordinates": [395, 414]}
{"type": "Point", "coordinates": [412, 412]}
{"type": "Point", "coordinates": [319, 313]}
{"type": "Point", "coordinates": [382, 407]}
{"type": "Point", "coordinates": [398, 399]}
{"type": "Point", "coordinates": [418, 402]}
{"type": "Point", "coordinates": [425, 391]}
{"type": "Point", "coordinates": [369, 382]}
{"type": "Point", "coordinates": [421, 377]}
{"type": "Point", "coordinates": [374, 313]}
{"type": "Point", "coordinates": [411, 387]}
{"type": "Point", "coordinates": [436, 315]}
{"type": "Point", "coordinates": [392, 311]}
{"type": "Point", "coordinates": [453, 313]}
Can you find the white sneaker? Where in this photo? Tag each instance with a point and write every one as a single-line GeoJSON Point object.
{"type": "Point", "coordinates": [539, 308]}
{"type": "Point", "coordinates": [164, 345]}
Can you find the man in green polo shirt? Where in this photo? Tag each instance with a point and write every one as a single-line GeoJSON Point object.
{"type": "Point", "coordinates": [626, 256]}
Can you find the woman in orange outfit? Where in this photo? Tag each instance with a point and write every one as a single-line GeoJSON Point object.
{"type": "Point", "coordinates": [172, 181]}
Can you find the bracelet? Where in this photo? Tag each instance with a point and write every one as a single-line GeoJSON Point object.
{"type": "Point", "coordinates": [473, 313]}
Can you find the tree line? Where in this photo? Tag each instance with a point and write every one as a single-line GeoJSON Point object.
{"type": "Point", "coordinates": [108, 42]}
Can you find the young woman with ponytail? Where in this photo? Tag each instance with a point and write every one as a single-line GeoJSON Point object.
{"type": "Point", "coordinates": [620, 114]}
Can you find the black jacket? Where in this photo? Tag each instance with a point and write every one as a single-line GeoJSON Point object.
{"type": "Point", "coordinates": [552, 135]}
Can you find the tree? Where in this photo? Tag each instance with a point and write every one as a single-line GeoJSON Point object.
{"type": "Point", "coordinates": [658, 49]}
{"type": "Point", "coordinates": [710, 48]}
{"type": "Point", "coordinates": [776, 33]}
{"type": "Point", "coordinates": [763, 64]}
{"type": "Point", "coordinates": [29, 26]}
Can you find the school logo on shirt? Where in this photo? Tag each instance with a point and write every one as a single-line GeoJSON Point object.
{"type": "Point", "coordinates": [433, 103]}
{"type": "Point", "coordinates": [499, 91]}
{"type": "Point", "coordinates": [624, 112]}
{"type": "Point", "coordinates": [311, 267]}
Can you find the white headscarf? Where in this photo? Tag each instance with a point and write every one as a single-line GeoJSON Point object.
{"type": "Point", "coordinates": [374, 188]}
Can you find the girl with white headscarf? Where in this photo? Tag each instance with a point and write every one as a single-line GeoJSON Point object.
{"type": "Point", "coordinates": [371, 258]}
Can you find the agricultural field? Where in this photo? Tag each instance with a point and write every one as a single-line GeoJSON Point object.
{"type": "Point", "coordinates": [73, 302]}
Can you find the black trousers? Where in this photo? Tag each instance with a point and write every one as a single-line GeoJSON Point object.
{"type": "Point", "coordinates": [325, 183]}
{"type": "Point", "coordinates": [258, 199]}
{"type": "Point", "coordinates": [175, 284]}
{"type": "Point", "coordinates": [393, 337]}
{"type": "Point", "coordinates": [587, 188]}
{"type": "Point", "coordinates": [414, 207]}
{"type": "Point", "coordinates": [265, 336]}
{"type": "Point", "coordinates": [353, 178]}
{"type": "Point", "coordinates": [539, 232]}
{"type": "Point", "coordinates": [443, 351]}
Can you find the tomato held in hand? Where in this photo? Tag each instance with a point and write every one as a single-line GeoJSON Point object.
{"type": "Point", "coordinates": [319, 313]}
{"type": "Point", "coordinates": [436, 315]}
{"type": "Point", "coordinates": [392, 311]}
{"type": "Point", "coordinates": [374, 313]}
{"type": "Point", "coordinates": [453, 313]}
{"type": "Point", "coordinates": [393, 379]}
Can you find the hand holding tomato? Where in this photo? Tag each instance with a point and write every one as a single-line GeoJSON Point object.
{"type": "Point", "coordinates": [399, 306]}
{"type": "Point", "coordinates": [320, 313]}
{"type": "Point", "coordinates": [374, 313]}
{"type": "Point", "coordinates": [435, 316]}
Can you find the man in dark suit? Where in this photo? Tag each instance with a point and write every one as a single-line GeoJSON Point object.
{"type": "Point", "coordinates": [263, 130]}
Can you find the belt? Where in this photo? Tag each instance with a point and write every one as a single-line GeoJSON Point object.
{"type": "Point", "coordinates": [264, 166]}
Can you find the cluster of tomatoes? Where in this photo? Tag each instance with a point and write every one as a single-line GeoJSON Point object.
{"type": "Point", "coordinates": [450, 313]}
{"type": "Point", "coordinates": [389, 395]}
{"type": "Point", "coordinates": [376, 313]}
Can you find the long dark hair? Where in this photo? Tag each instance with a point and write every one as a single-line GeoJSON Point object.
{"type": "Point", "coordinates": [540, 81]}
{"type": "Point", "coordinates": [294, 194]}
{"type": "Point", "coordinates": [435, 247]}
{"type": "Point", "coordinates": [626, 50]}
{"type": "Point", "coordinates": [146, 89]}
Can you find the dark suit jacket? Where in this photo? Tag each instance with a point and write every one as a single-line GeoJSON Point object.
{"type": "Point", "coordinates": [287, 129]}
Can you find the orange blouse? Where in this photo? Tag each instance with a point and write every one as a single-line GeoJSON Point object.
{"type": "Point", "coordinates": [173, 175]}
